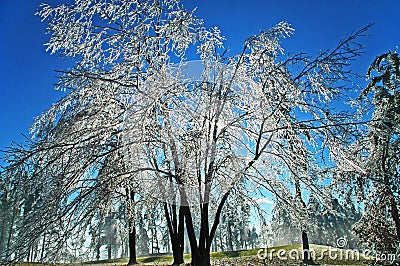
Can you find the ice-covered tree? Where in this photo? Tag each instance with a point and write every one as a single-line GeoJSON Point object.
{"type": "Point", "coordinates": [133, 120]}
{"type": "Point", "coordinates": [285, 231]}
{"type": "Point", "coordinates": [254, 116]}
{"type": "Point", "coordinates": [76, 149]}
{"type": "Point", "coordinates": [373, 162]}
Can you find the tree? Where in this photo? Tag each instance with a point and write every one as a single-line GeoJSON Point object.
{"type": "Point", "coordinates": [332, 220]}
{"type": "Point", "coordinates": [131, 115]}
{"type": "Point", "coordinates": [77, 148]}
{"type": "Point", "coordinates": [239, 120]}
{"type": "Point", "coordinates": [69, 184]}
{"type": "Point", "coordinates": [8, 218]}
{"type": "Point", "coordinates": [234, 228]}
{"type": "Point", "coordinates": [253, 238]}
{"type": "Point", "coordinates": [374, 156]}
{"type": "Point", "coordinates": [285, 231]}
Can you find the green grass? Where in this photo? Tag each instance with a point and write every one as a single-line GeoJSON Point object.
{"type": "Point", "coordinates": [249, 257]}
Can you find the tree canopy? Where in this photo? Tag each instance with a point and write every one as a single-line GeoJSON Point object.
{"type": "Point", "coordinates": [135, 125]}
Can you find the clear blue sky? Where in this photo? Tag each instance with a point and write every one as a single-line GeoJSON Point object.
{"type": "Point", "coordinates": [27, 71]}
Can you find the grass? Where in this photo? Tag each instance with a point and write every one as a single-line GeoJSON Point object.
{"type": "Point", "coordinates": [281, 255]}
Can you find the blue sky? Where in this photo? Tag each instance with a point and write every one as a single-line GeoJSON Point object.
{"type": "Point", "coordinates": [27, 71]}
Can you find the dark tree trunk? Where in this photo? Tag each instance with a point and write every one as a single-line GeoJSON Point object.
{"type": "Point", "coordinates": [176, 232]}
{"type": "Point", "coordinates": [177, 253]}
{"type": "Point", "coordinates": [178, 242]}
{"type": "Point", "coordinates": [98, 250]}
{"type": "Point", "coordinates": [132, 245]}
{"type": "Point", "coordinates": [229, 234]}
{"type": "Point", "coordinates": [132, 236]}
{"type": "Point", "coordinates": [43, 245]}
{"type": "Point", "coordinates": [192, 237]}
{"type": "Point", "coordinates": [307, 259]}
{"type": "Point", "coordinates": [10, 234]}
{"type": "Point", "coordinates": [205, 260]}
{"type": "Point", "coordinates": [109, 251]}
{"type": "Point", "coordinates": [201, 254]}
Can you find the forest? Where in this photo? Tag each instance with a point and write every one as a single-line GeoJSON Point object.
{"type": "Point", "coordinates": [167, 143]}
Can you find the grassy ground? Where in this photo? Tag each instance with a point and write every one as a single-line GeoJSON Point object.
{"type": "Point", "coordinates": [282, 255]}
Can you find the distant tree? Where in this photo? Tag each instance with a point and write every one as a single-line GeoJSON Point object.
{"type": "Point", "coordinates": [285, 231]}
{"type": "Point", "coordinates": [143, 237]}
{"type": "Point", "coordinates": [253, 238]}
{"type": "Point", "coordinates": [96, 240]}
{"type": "Point", "coordinates": [234, 226]}
{"type": "Point", "coordinates": [334, 222]}
{"type": "Point", "coordinates": [329, 221]}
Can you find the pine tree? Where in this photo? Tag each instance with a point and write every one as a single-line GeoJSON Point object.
{"type": "Point", "coordinates": [374, 171]}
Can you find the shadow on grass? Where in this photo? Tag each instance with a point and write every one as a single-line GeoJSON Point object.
{"type": "Point", "coordinates": [231, 254]}
{"type": "Point", "coordinates": [152, 259]}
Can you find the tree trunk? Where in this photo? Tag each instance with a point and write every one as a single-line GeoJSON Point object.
{"type": "Point", "coordinates": [98, 250]}
{"type": "Point", "coordinates": [196, 258]}
{"type": "Point", "coordinates": [178, 256]}
{"type": "Point", "coordinates": [200, 254]}
{"type": "Point", "coordinates": [177, 252]}
{"type": "Point", "coordinates": [229, 234]}
{"type": "Point", "coordinates": [109, 251]}
{"type": "Point", "coordinates": [205, 260]}
{"type": "Point", "coordinates": [28, 256]}
{"type": "Point", "coordinates": [132, 234]}
{"type": "Point", "coordinates": [307, 259]}
{"type": "Point", "coordinates": [181, 239]}
{"type": "Point", "coordinates": [178, 241]}
{"type": "Point", "coordinates": [43, 245]}
{"type": "Point", "coordinates": [132, 245]}
{"type": "Point", "coordinates": [176, 232]}
{"type": "Point", "coordinates": [10, 234]}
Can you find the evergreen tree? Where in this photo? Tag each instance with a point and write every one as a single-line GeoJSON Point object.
{"type": "Point", "coordinates": [372, 167]}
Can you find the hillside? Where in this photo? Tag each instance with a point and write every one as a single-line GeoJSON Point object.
{"type": "Point", "coordinates": [282, 255]}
